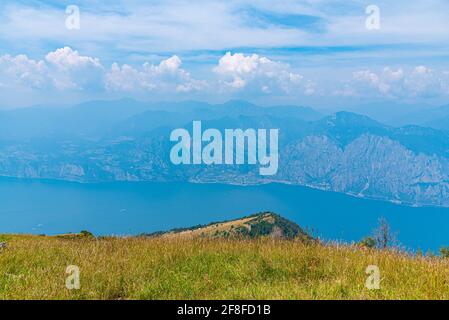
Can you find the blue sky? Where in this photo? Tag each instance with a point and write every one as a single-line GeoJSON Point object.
{"type": "Point", "coordinates": [312, 52]}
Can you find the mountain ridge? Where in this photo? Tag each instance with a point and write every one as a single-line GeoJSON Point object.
{"type": "Point", "coordinates": [344, 152]}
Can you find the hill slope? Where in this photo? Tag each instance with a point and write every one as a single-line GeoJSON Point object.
{"type": "Point", "coordinates": [197, 268]}
{"type": "Point", "coordinates": [266, 224]}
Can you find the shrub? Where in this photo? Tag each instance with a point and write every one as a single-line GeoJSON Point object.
{"type": "Point", "coordinates": [368, 242]}
{"type": "Point", "coordinates": [86, 234]}
{"type": "Point", "coordinates": [444, 252]}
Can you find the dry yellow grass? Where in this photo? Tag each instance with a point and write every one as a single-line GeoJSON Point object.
{"type": "Point", "coordinates": [212, 229]}
{"type": "Point", "coordinates": [33, 267]}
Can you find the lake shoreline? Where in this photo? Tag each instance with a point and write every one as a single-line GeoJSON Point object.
{"type": "Point", "coordinates": [131, 208]}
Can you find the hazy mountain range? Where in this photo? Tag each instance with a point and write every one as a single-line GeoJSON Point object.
{"type": "Point", "coordinates": [127, 140]}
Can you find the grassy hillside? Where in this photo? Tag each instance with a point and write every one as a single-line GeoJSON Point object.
{"type": "Point", "coordinates": [266, 224]}
{"type": "Point", "coordinates": [33, 267]}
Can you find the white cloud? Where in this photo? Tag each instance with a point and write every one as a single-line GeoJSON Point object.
{"type": "Point", "coordinates": [70, 70]}
{"type": "Point", "coordinates": [170, 65]}
{"type": "Point", "coordinates": [161, 26]}
{"type": "Point", "coordinates": [124, 78]}
{"type": "Point", "coordinates": [419, 81]}
{"type": "Point", "coordinates": [65, 69]}
{"type": "Point", "coordinates": [158, 26]}
{"type": "Point", "coordinates": [167, 75]}
{"type": "Point", "coordinates": [239, 71]}
{"type": "Point", "coordinates": [422, 70]}
{"type": "Point", "coordinates": [67, 59]}
{"type": "Point", "coordinates": [309, 88]}
{"type": "Point", "coordinates": [22, 71]}
{"type": "Point", "coordinates": [239, 64]}
{"type": "Point", "coordinates": [424, 82]}
{"type": "Point", "coordinates": [62, 69]}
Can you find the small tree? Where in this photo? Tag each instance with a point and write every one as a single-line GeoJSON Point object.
{"type": "Point", "coordinates": [383, 236]}
{"type": "Point", "coordinates": [444, 252]}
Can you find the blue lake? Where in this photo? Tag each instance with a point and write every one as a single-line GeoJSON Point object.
{"type": "Point", "coordinates": [52, 207]}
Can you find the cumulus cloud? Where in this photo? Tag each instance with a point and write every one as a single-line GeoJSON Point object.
{"type": "Point", "coordinates": [167, 75]}
{"type": "Point", "coordinates": [238, 71]}
{"type": "Point", "coordinates": [22, 71]}
{"type": "Point", "coordinates": [74, 71]}
{"type": "Point", "coordinates": [62, 69]}
{"type": "Point", "coordinates": [419, 81]}
{"type": "Point", "coordinates": [68, 59]}
{"type": "Point", "coordinates": [65, 69]}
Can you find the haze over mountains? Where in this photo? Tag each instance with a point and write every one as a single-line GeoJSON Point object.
{"type": "Point", "coordinates": [401, 114]}
{"type": "Point", "coordinates": [127, 140]}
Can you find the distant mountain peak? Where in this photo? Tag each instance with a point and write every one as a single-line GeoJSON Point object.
{"type": "Point", "coordinates": [239, 103]}
{"type": "Point", "coordinates": [346, 118]}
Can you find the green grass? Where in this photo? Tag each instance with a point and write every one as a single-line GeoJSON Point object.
{"type": "Point", "coordinates": [33, 267]}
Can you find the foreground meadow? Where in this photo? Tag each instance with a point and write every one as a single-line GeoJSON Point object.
{"type": "Point", "coordinates": [34, 267]}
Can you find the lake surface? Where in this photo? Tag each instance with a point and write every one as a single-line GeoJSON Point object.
{"type": "Point", "coordinates": [52, 207]}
